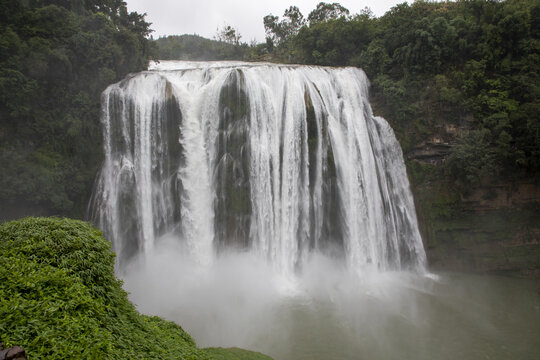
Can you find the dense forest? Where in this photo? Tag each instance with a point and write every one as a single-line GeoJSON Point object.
{"type": "Point", "coordinates": [458, 73]}
{"type": "Point", "coordinates": [56, 57]}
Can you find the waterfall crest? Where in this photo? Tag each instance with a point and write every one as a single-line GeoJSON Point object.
{"type": "Point", "coordinates": [279, 160]}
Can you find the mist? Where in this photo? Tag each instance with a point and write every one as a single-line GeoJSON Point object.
{"type": "Point", "coordinates": [329, 312]}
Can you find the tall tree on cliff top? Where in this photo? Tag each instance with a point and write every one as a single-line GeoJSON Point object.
{"type": "Point", "coordinates": [326, 11]}
{"type": "Point", "coordinates": [229, 35]}
{"type": "Point", "coordinates": [277, 32]}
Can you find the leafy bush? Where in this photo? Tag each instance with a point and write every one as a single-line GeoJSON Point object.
{"type": "Point", "coordinates": [60, 299]}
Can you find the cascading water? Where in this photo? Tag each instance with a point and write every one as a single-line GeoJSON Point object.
{"type": "Point", "coordinates": [282, 161]}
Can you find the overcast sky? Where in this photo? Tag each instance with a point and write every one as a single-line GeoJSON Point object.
{"type": "Point", "coordinates": [203, 17]}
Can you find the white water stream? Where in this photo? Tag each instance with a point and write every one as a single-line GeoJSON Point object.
{"type": "Point", "coordinates": [283, 161]}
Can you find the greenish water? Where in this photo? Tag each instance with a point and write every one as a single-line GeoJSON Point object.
{"type": "Point", "coordinates": [328, 313]}
{"type": "Point", "coordinates": [455, 317]}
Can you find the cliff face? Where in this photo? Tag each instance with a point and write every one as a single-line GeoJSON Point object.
{"type": "Point", "coordinates": [493, 228]}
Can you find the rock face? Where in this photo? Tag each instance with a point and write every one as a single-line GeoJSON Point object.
{"type": "Point", "coordinates": [430, 152]}
{"type": "Point", "coordinates": [12, 353]}
{"type": "Point", "coordinates": [503, 195]}
{"type": "Point", "coordinates": [493, 229]}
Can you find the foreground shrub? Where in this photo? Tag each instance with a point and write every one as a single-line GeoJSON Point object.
{"type": "Point", "coordinates": [60, 299]}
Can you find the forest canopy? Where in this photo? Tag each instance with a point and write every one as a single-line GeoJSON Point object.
{"type": "Point", "coordinates": [56, 57]}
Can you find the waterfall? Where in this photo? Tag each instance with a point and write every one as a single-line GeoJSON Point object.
{"type": "Point", "coordinates": [283, 161]}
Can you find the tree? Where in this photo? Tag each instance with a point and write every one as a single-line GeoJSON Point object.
{"type": "Point", "coordinates": [229, 35]}
{"type": "Point", "coordinates": [325, 11]}
{"type": "Point", "coordinates": [278, 32]}
{"type": "Point", "coordinates": [473, 159]}
{"type": "Point", "coordinates": [333, 42]}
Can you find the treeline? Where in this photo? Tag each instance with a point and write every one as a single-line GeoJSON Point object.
{"type": "Point", "coordinates": [465, 71]}
{"type": "Point", "coordinates": [56, 57]}
{"type": "Point", "coordinates": [195, 47]}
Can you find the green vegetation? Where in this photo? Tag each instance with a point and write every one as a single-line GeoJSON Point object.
{"type": "Point", "coordinates": [472, 64]}
{"type": "Point", "coordinates": [228, 34]}
{"type": "Point", "coordinates": [234, 354]}
{"type": "Point", "coordinates": [56, 57]}
{"type": "Point", "coordinates": [194, 47]}
{"type": "Point", "coordinates": [60, 299]}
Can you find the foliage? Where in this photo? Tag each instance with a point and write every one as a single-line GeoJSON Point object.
{"type": "Point", "coordinates": [229, 35]}
{"type": "Point", "coordinates": [473, 158]}
{"type": "Point", "coordinates": [60, 299]}
{"type": "Point", "coordinates": [278, 32]}
{"type": "Point", "coordinates": [467, 64]}
{"type": "Point", "coordinates": [55, 59]}
{"type": "Point", "coordinates": [194, 47]}
{"type": "Point", "coordinates": [326, 11]}
{"type": "Point", "coordinates": [332, 42]}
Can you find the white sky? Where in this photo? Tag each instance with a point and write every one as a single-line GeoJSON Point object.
{"type": "Point", "coordinates": [203, 17]}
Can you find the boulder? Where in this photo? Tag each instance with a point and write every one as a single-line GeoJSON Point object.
{"type": "Point", "coordinates": [12, 353]}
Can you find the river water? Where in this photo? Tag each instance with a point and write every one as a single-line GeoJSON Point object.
{"type": "Point", "coordinates": [329, 313]}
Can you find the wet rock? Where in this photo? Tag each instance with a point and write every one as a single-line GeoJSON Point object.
{"type": "Point", "coordinates": [433, 153]}
{"type": "Point", "coordinates": [13, 353]}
